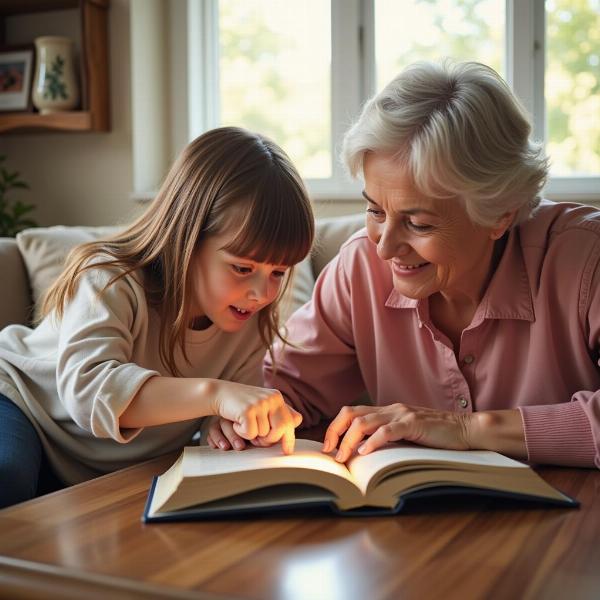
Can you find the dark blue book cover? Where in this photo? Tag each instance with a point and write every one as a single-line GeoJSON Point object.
{"type": "Point", "coordinates": [400, 478]}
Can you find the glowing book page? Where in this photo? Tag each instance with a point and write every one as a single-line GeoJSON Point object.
{"type": "Point", "coordinates": [203, 461]}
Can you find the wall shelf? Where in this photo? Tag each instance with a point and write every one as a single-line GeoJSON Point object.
{"type": "Point", "coordinates": [94, 112]}
{"type": "Point", "coordinates": [77, 120]}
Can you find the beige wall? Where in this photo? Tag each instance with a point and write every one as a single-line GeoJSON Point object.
{"type": "Point", "coordinates": [86, 178]}
{"type": "Point", "coordinates": [83, 178]}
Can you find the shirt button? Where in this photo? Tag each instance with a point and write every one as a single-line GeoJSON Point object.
{"type": "Point", "coordinates": [463, 402]}
{"type": "Point", "coordinates": [468, 359]}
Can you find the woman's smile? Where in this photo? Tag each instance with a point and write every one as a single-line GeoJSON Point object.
{"type": "Point", "coordinates": [400, 269]}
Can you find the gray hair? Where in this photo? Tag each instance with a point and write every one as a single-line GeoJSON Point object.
{"type": "Point", "coordinates": [460, 132]}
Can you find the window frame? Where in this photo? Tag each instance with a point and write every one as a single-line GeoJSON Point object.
{"type": "Point", "coordinates": [525, 68]}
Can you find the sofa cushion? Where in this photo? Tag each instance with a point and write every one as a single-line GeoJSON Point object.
{"type": "Point", "coordinates": [299, 291]}
{"type": "Point", "coordinates": [332, 232]}
{"type": "Point", "coordinates": [44, 250]}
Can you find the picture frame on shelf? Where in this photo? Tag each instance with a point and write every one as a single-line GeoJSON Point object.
{"type": "Point", "coordinates": [16, 74]}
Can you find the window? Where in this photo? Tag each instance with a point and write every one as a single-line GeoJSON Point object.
{"type": "Point", "coordinates": [272, 79]}
{"type": "Point", "coordinates": [300, 71]}
{"type": "Point", "coordinates": [572, 86]}
{"type": "Point", "coordinates": [413, 30]}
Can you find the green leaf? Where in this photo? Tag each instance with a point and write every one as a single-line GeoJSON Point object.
{"type": "Point", "coordinates": [13, 212]}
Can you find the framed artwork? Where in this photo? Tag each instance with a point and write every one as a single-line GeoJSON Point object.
{"type": "Point", "coordinates": [16, 70]}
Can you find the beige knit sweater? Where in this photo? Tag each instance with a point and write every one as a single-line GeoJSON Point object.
{"type": "Point", "coordinates": [74, 378]}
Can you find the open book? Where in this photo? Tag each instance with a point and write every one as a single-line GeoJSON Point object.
{"type": "Point", "coordinates": [204, 482]}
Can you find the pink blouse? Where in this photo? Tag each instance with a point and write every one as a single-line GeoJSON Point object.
{"type": "Point", "coordinates": [533, 343]}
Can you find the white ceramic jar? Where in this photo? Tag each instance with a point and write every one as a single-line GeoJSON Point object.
{"type": "Point", "coordinates": [55, 85]}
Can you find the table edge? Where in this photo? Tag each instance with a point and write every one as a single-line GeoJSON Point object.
{"type": "Point", "coordinates": [39, 580]}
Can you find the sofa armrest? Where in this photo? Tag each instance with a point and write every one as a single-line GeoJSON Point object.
{"type": "Point", "coordinates": [15, 297]}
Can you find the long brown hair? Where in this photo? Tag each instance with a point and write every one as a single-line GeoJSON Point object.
{"type": "Point", "coordinates": [227, 177]}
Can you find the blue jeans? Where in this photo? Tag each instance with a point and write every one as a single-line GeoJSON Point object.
{"type": "Point", "coordinates": [24, 469]}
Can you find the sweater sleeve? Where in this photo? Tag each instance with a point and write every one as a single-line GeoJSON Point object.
{"type": "Point", "coordinates": [569, 433]}
{"type": "Point", "coordinates": [318, 371]}
{"type": "Point", "coordinates": [96, 379]}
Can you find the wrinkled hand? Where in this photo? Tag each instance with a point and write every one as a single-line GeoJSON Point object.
{"type": "Point", "coordinates": [424, 426]}
{"type": "Point", "coordinates": [252, 413]}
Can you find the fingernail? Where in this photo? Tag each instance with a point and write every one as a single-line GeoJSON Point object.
{"type": "Point", "coordinates": [238, 445]}
{"type": "Point", "coordinates": [339, 456]}
{"type": "Point", "coordinates": [361, 449]}
{"type": "Point", "coordinates": [222, 445]}
{"type": "Point", "coordinates": [326, 446]}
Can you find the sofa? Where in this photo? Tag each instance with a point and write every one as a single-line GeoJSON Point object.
{"type": "Point", "coordinates": [32, 261]}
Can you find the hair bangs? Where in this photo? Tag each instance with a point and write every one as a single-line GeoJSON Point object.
{"type": "Point", "coordinates": [273, 226]}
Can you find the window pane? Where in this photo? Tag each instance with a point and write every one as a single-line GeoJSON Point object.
{"type": "Point", "coordinates": [275, 74]}
{"type": "Point", "coordinates": [413, 30]}
{"type": "Point", "coordinates": [573, 86]}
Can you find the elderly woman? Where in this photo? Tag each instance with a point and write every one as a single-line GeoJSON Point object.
{"type": "Point", "coordinates": [468, 309]}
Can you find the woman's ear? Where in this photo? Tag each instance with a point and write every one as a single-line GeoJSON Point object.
{"type": "Point", "coordinates": [502, 225]}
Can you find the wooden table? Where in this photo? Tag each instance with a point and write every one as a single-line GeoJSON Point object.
{"type": "Point", "coordinates": [88, 542]}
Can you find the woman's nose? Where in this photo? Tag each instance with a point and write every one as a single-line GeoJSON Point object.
{"type": "Point", "coordinates": [389, 244]}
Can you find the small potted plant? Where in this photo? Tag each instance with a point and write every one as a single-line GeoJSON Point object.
{"type": "Point", "coordinates": [13, 213]}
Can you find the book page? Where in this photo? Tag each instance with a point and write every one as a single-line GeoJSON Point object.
{"type": "Point", "coordinates": [368, 469]}
{"type": "Point", "coordinates": [207, 474]}
{"type": "Point", "coordinates": [263, 498]}
{"type": "Point", "coordinates": [202, 461]}
{"type": "Point", "coordinates": [170, 480]}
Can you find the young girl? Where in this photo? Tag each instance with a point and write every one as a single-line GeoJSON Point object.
{"type": "Point", "coordinates": [167, 322]}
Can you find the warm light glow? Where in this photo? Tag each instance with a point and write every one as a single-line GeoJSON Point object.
{"type": "Point", "coordinates": [307, 455]}
{"type": "Point", "coordinates": [309, 460]}
{"type": "Point", "coordinates": [324, 571]}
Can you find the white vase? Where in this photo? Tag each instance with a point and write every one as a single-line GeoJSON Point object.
{"type": "Point", "coordinates": [55, 85]}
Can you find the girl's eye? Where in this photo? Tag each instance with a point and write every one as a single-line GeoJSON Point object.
{"type": "Point", "coordinates": [278, 274]}
{"type": "Point", "coordinates": [418, 227]}
{"type": "Point", "coordinates": [378, 215]}
{"type": "Point", "coordinates": [241, 269]}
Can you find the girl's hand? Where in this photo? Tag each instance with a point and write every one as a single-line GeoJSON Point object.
{"type": "Point", "coordinates": [221, 435]}
{"type": "Point", "coordinates": [425, 426]}
{"type": "Point", "coordinates": [256, 412]}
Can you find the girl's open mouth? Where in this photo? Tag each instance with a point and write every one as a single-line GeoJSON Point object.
{"type": "Point", "coordinates": [240, 313]}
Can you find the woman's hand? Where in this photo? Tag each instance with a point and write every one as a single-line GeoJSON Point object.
{"type": "Point", "coordinates": [254, 413]}
{"type": "Point", "coordinates": [425, 426]}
